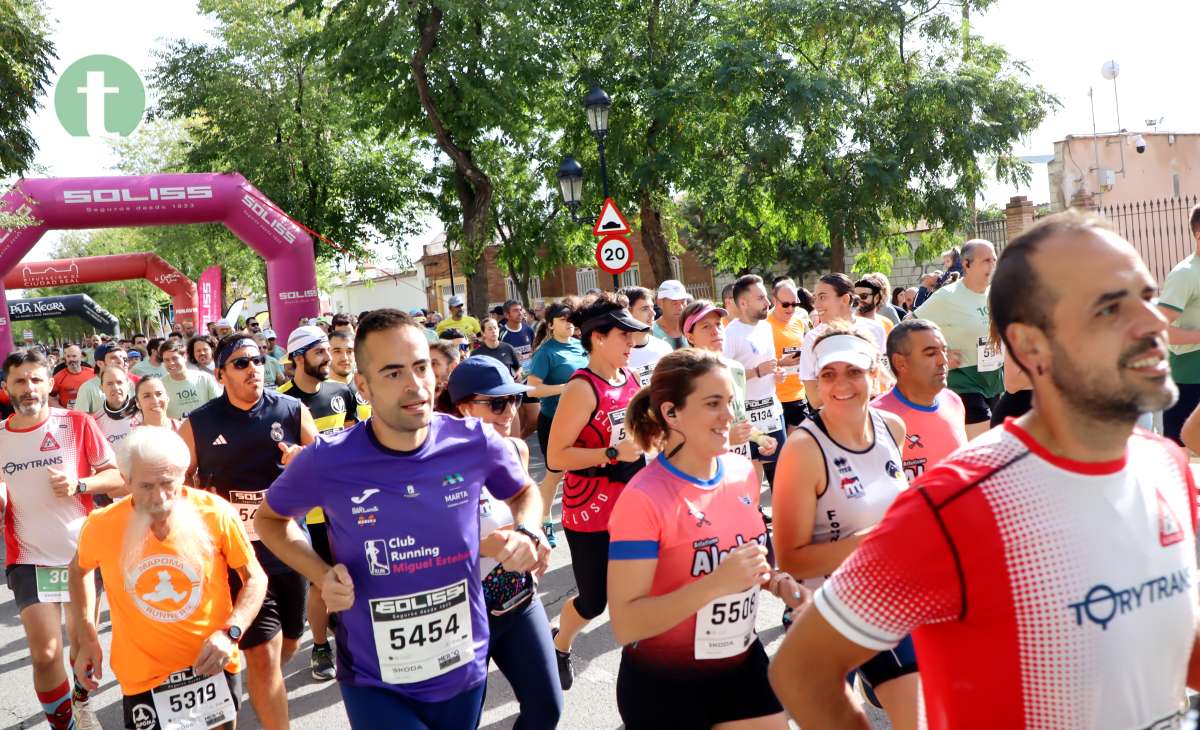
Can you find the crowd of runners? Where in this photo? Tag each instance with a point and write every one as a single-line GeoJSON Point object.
{"type": "Point", "coordinates": [967, 525]}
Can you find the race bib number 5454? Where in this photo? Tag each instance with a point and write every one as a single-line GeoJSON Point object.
{"type": "Point", "coordinates": [423, 635]}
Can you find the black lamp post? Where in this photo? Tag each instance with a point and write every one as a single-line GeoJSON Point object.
{"type": "Point", "coordinates": [570, 173]}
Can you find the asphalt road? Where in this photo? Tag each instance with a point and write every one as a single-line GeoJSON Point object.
{"type": "Point", "coordinates": [590, 704]}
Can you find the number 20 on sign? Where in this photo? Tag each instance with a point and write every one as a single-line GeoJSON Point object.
{"type": "Point", "coordinates": [614, 254]}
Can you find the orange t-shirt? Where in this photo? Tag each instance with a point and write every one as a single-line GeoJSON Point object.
{"type": "Point", "coordinates": [164, 607]}
{"type": "Point", "coordinates": [789, 337]}
{"type": "Point", "coordinates": [67, 384]}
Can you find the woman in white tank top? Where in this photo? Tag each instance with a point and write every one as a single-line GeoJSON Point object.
{"type": "Point", "coordinates": [837, 475]}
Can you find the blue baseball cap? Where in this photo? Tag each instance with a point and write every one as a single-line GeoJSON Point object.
{"type": "Point", "coordinates": [482, 375]}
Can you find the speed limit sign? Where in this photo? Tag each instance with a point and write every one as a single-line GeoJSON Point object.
{"type": "Point", "coordinates": [614, 254]}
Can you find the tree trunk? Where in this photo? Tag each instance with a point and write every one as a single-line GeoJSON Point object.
{"type": "Point", "coordinates": [837, 248]}
{"type": "Point", "coordinates": [653, 239]}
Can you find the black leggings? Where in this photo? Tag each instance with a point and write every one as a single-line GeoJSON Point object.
{"type": "Point", "coordinates": [589, 562]}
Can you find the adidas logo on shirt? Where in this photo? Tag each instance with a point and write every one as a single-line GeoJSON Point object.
{"type": "Point", "coordinates": [220, 440]}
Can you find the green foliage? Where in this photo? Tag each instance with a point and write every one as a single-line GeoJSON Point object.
{"type": "Point", "coordinates": [261, 102]}
{"type": "Point", "coordinates": [26, 61]}
{"type": "Point", "coordinates": [934, 243]}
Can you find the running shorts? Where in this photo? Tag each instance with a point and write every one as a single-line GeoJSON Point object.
{"type": "Point", "coordinates": [888, 665]}
{"type": "Point", "coordinates": [22, 581]}
{"type": "Point", "coordinates": [283, 609]}
{"type": "Point", "coordinates": [654, 697]}
{"type": "Point", "coordinates": [138, 709]}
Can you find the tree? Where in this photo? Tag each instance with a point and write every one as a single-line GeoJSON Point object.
{"type": "Point", "coordinates": [454, 73]}
{"type": "Point", "coordinates": [264, 103]}
{"type": "Point", "coordinates": [26, 61]}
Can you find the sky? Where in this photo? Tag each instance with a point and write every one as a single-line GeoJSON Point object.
{"type": "Point", "coordinates": [1064, 43]}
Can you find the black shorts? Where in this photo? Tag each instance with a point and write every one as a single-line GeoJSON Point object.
{"type": "Point", "coordinates": [978, 407]}
{"type": "Point", "coordinates": [283, 609]}
{"type": "Point", "coordinates": [319, 535]}
{"type": "Point", "coordinates": [543, 436]}
{"type": "Point", "coordinates": [1175, 416]}
{"type": "Point", "coordinates": [888, 665]}
{"type": "Point", "coordinates": [22, 581]}
{"type": "Point", "coordinates": [661, 697]}
{"type": "Point", "coordinates": [794, 412]}
{"type": "Point", "coordinates": [139, 708]}
{"type": "Point", "coordinates": [527, 399]}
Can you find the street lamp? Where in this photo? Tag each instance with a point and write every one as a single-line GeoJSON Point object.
{"type": "Point", "coordinates": [570, 173]}
{"type": "Point", "coordinates": [570, 182]}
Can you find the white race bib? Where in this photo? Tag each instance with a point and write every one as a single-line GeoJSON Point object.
{"type": "Point", "coordinates": [643, 374]}
{"type": "Point", "coordinates": [989, 358]}
{"type": "Point", "coordinates": [51, 584]}
{"type": "Point", "coordinates": [247, 504]}
{"type": "Point", "coordinates": [616, 422]}
{"type": "Point", "coordinates": [742, 448]}
{"type": "Point", "coordinates": [423, 635]}
{"type": "Point", "coordinates": [765, 414]}
{"type": "Point", "coordinates": [792, 350]}
{"type": "Point", "coordinates": [725, 627]}
{"type": "Point", "coordinates": [188, 702]}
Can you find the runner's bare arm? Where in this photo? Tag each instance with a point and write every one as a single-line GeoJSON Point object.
{"type": "Point", "coordinates": [574, 409]}
{"type": "Point", "coordinates": [105, 480]}
{"type": "Point", "coordinates": [284, 538]}
{"type": "Point", "coordinates": [89, 661]}
{"type": "Point", "coordinates": [526, 506]}
{"type": "Point", "coordinates": [542, 390]}
{"type": "Point", "coordinates": [185, 433]}
{"type": "Point", "coordinates": [249, 600]}
{"type": "Point", "coordinates": [799, 477]}
{"type": "Point", "coordinates": [308, 427]}
{"type": "Point", "coordinates": [895, 425]}
{"type": "Point", "coordinates": [1190, 433]}
{"type": "Point", "coordinates": [1178, 335]}
{"type": "Point", "coordinates": [811, 393]}
{"type": "Point", "coordinates": [809, 672]}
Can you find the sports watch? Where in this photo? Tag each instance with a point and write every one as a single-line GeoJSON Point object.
{"type": "Point", "coordinates": [234, 633]}
{"type": "Point", "coordinates": [80, 486]}
{"type": "Point", "coordinates": [537, 539]}
{"type": "Point", "coordinates": [611, 454]}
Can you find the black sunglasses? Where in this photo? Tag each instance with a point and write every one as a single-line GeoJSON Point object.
{"type": "Point", "coordinates": [789, 305]}
{"type": "Point", "coordinates": [241, 363]}
{"type": "Point", "coordinates": [498, 404]}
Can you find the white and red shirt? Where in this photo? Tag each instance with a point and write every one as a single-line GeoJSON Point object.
{"type": "Point", "coordinates": [1039, 591]}
{"type": "Point", "coordinates": [40, 528]}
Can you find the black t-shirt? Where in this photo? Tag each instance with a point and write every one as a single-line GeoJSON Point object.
{"type": "Point", "coordinates": [503, 352]}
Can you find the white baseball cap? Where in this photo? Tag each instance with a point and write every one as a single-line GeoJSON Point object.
{"type": "Point", "coordinates": [302, 338]}
{"type": "Point", "coordinates": [849, 349]}
{"type": "Point", "coordinates": [269, 334]}
{"type": "Point", "coordinates": [672, 289]}
{"type": "Point", "coordinates": [455, 301]}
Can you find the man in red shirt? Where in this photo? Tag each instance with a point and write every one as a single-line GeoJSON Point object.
{"type": "Point", "coordinates": [70, 379]}
{"type": "Point", "coordinates": [1052, 559]}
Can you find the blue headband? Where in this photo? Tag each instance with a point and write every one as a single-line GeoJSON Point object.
{"type": "Point", "coordinates": [233, 346]}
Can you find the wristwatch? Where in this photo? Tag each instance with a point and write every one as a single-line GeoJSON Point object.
{"type": "Point", "coordinates": [234, 633]}
{"type": "Point", "coordinates": [80, 486]}
{"type": "Point", "coordinates": [611, 454]}
{"type": "Point", "coordinates": [537, 539]}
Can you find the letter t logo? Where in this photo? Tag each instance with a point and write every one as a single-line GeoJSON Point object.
{"type": "Point", "coordinates": [94, 93]}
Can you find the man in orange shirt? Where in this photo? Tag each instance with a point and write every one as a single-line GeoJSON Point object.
{"type": "Point", "coordinates": [788, 326]}
{"type": "Point", "coordinates": [165, 555]}
{"type": "Point", "coordinates": [70, 379]}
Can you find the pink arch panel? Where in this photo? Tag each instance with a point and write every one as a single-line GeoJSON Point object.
{"type": "Point", "coordinates": [168, 199]}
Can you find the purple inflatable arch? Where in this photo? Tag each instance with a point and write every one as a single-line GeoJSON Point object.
{"type": "Point", "coordinates": [162, 200]}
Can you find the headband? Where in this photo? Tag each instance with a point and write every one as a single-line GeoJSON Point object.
{"type": "Point", "coordinates": [232, 346]}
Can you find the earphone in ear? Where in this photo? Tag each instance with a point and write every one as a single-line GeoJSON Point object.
{"type": "Point", "coordinates": [671, 413]}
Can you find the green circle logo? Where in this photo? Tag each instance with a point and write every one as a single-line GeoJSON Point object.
{"type": "Point", "coordinates": [100, 96]}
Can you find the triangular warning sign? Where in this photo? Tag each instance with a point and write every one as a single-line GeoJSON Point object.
{"type": "Point", "coordinates": [49, 444]}
{"type": "Point", "coordinates": [610, 222]}
{"type": "Point", "coordinates": [1169, 529]}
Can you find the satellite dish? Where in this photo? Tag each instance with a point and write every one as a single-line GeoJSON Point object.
{"type": "Point", "coordinates": [1110, 70]}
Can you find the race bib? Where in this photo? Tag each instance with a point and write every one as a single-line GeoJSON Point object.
{"type": "Point", "coordinates": [643, 374]}
{"type": "Point", "coordinates": [990, 358]}
{"type": "Point", "coordinates": [52, 584]}
{"type": "Point", "coordinates": [423, 635]}
{"type": "Point", "coordinates": [765, 414]}
{"type": "Point", "coordinates": [725, 627]}
{"type": "Point", "coordinates": [792, 350]}
{"type": "Point", "coordinates": [616, 422]}
{"type": "Point", "coordinates": [188, 702]}
{"type": "Point", "coordinates": [742, 448]}
{"type": "Point", "coordinates": [247, 504]}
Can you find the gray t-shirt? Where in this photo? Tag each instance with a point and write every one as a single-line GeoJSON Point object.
{"type": "Point", "coordinates": [196, 389]}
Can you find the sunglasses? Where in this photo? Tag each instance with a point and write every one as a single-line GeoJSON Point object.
{"type": "Point", "coordinates": [241, 363]}
{"type": "Point", "coordinates": [789, 305]}
{"type": "Point", "coordinates": [498, 404]}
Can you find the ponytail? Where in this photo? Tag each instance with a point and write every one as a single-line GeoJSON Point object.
{"type": "Point", "coordinates": [642, 422]}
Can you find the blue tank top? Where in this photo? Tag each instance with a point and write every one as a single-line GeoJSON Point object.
{"type": "Point", "coordinates": [238, 456]}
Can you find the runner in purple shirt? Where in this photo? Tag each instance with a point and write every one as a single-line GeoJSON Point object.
{"type": "Point", "coordinates": [400, 493]}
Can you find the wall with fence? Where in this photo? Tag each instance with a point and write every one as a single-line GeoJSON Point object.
{"type": "Point", "coordinates": [1158, 229]}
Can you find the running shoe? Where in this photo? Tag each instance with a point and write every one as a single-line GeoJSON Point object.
{"type": "Point", "coordinates": [566, 677]}
{"type": "Point", "coordinates": [548, 528]}
{"type": "Point", "coordinates": [85, 716]}
{"type": "Point", "coordinates": [321, 663]}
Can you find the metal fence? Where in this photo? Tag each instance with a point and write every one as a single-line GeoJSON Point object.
{"type": "Point", "coordinates": [1157, 228]}
{"type": "Point", "coordinates": [995, 231]}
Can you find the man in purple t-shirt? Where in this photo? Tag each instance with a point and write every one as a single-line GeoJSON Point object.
{"type": "Point", "coordinates": [400, 493]}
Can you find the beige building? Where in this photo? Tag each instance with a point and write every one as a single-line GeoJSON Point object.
{"type": "Point", "coordinates": [1106, 169]}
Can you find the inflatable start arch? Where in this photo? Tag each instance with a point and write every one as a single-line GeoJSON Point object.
{"type": "Point", "coordinates": [163, 200]}
{"type": "Point", "coordinates": [118, 267]}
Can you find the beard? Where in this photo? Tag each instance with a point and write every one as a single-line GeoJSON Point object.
{"type": "Point", "coordinates": [29, 410]}
{"type": "Point", "coordinates": [189, 535]}
{"type": "Point", "coordinates": [1123, 401]}
{"type": "Point", "coordinates": [317, 372]}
